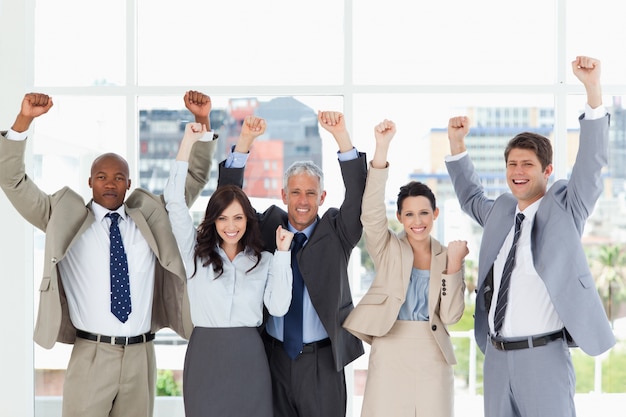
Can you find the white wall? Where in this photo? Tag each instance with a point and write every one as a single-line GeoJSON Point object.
{"type": "Point", "coordinates": [16, 238]}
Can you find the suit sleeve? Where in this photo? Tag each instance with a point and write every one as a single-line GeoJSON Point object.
{"type": "Point", "coordinates": [32, 203]}
{"type": "Point", "coordinates": [229, 176]}
{"type": "Point", "coordinates": [452, 297]}
{"type": "Point", "coordinates": [585, 184]}
{"type": "Point", "coordinates": [374, 213]}
{"type": "Point", "coordinates": [469, 190]}
{"type": "Point", "coordinates": [354, 173]}
{"type": "Point", "coordinates": [199, 169]}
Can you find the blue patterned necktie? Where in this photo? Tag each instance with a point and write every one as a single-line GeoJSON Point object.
{"type": "Point", "coordinates": [120, 285]}
{"type": "Point", "coordinates": [503, 292]}
{"type": "Point", "coordinates": [292, 332]}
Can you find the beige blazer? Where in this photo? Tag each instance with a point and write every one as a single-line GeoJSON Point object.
{"type": "Point", "coordinates": [393, 259]}
{"type": "Point", "coordinates": [64, 216]}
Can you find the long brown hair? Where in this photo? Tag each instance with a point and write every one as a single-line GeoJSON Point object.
{"type": "Point", "coordinates": [207, 238]}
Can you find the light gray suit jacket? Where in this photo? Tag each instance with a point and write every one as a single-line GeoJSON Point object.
{"type": "Point", "coordinates": [393, 258]}
{"type": "Point", "coordinates": [556, 245]}
{"type": "Point", "coordinates": [64, 216]}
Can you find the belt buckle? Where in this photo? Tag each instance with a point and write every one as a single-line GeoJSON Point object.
{"type": "Point", "coordinates": [501, 344]}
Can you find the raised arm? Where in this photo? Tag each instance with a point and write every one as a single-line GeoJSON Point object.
{"type": "Point", "coordinates": [383, 132]}
{"type": "Point", "coordinates": [174, 195]}
{"type": "Point", "coordinates": [252, 128]}
{"type": "Point", "coordinates": [201, 157]}
{"type": "Point", "coordinates": [458, 128]}
{"type": "Point", "coordinates": [374, 211]}
{"type": "Point", "coordinates": [334, 122]}
{"type": "Point", "coordinates": [32, 203]}
{"type": "Point", "coordinates": [588, 71]}
{"type": "Point", "coordinates": [33, 106]}
{"type": "Point", "coordinates": [199, 104]}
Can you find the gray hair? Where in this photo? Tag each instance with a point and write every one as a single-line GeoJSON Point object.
{"type": "Point", "coordinates": [303, 167]}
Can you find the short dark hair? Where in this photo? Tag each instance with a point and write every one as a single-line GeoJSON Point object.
{"type": "Point", "coordinates": [537, 143]}
{"type": "Point", "coordinates": [416, 189]}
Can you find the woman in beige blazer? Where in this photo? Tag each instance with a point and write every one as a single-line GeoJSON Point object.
{"type": "Point", "coordinates": [418, 289]}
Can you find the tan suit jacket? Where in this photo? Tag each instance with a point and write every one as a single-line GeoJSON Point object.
{"type": "Point", "coordinates": [393, 259]}
{"type": "Point", "coordinates": [64, 216]}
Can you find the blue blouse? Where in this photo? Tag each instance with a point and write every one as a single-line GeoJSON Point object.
{"type": "Point", "coordinates": [415, 306]}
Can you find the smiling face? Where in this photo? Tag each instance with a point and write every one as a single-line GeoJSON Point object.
{"type": "Point", "coordinates": [527, 180]}
{"type": "Point", "coordinates": [109, 181]}
{"type": "Point", "coordinates": [417, 216]}
{"type": "Point", "coordinates": [303, 197]}
{"type": "Point", "coordinates": [231, 224]}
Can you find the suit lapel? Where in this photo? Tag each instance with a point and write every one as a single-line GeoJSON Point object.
{"type": "Point", "coordinates": [144, 228]}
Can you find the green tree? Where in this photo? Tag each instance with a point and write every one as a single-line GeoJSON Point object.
{"type": "Point", "coordinates": [610, 261]}
{"type": "Point", "coordinates": [166, 384]}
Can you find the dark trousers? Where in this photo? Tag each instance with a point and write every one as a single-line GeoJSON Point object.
{"type": "Point", "coordinates": [308, 386]}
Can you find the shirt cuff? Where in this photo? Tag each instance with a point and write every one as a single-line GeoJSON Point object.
{"type": "Point", "coordinates": [348, 155]}
{"type": "Point", "coordinates": [593, 114]}
{"type": "Point", "coordinates": [452, 158]}
{"type": "Point", "coordinates": [236, 159]}
{"type": "Point", "coordinates": [13, 135]}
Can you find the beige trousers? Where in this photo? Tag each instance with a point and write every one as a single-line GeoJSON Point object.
{"type": "Point", "coordinates": [408, 375]}
{"type": "Point", "coordinates": [104, 380]}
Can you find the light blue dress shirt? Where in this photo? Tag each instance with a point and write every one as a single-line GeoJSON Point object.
{"type": "Point", "coordinates": [415, 305]}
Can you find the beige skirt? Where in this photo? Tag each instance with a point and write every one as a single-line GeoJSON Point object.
{"type": "Point", "coordinates": [408, 375]}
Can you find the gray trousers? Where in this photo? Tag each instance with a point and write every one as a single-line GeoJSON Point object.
{"type": "Point", "coordinates": [533, 382]}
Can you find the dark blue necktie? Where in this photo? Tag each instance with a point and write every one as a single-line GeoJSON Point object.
{"type": "Point", "coordinates": [503, 292]}
{"type": "Point", "coordinates": [292, 332]}
{"type": "Point", "coordinates": [120, 285]}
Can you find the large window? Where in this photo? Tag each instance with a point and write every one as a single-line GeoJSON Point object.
{"type": "Point", "coordinates": [118, 70]}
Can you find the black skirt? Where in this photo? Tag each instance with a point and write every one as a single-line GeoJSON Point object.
{"type": "Point", "coordinates": [226, 374]}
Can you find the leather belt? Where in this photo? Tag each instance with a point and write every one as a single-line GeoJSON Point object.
{"type": "Point", "coordinates": [115, 340]}
{"type": "Point", "coordinates": [526, 343]}
{"type": "Point", "coordinates": [307, 347]}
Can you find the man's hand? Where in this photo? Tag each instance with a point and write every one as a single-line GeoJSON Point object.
{"type": "Point", "coordinates": [252, 128]}
{"type": "Point", "coordinates": [334, 122]}
{"type": "Point", "coordinates": [33, 105]}
{"type": "Point", "coordinates": [588, 71]}
{"type": "Point", "coordinates": [458, 128]}
{"type": "Point", "coordinates": [199, 104]}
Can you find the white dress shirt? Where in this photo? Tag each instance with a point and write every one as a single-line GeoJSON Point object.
{"type": "Point", "coordinates": [87, 282]}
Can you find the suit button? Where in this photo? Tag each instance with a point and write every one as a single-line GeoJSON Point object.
{"type": "Point", "coordinates": [443, 281]}
{"type": "Point", "coordinates": [434, 327]}
{"type": "Point", "coordinates": [443, 293]}
{"type": "Point", "coordinates": [476, 291]}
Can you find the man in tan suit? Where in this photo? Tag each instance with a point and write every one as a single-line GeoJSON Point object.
{"type": "Point", "coordinates": [112, 369]}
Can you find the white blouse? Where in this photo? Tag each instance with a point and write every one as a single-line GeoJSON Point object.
{"type": "Point", "coordinates": [236, 297]}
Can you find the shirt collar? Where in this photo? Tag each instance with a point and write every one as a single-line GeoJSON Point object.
{"type": "Point", "coordinates": [100, 212]}
{"type": "Point", "coordinates": [530, 211]}
{"type": "Point", "coordinates": [308, 231]}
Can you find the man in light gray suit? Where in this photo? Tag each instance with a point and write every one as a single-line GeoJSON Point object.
{"type": "Point", "coordinates": [112, 370]}
{"type": "Point", "coordinates": [544, 298]}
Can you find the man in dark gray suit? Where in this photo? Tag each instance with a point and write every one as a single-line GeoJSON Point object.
{"type": "Point", "coordinates": [312, 384]}
{"type": "Point", "coordinates": [528, 307]}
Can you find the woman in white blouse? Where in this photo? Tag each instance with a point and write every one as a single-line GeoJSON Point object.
{"type": "Point", "coordinates": [230, 278]}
